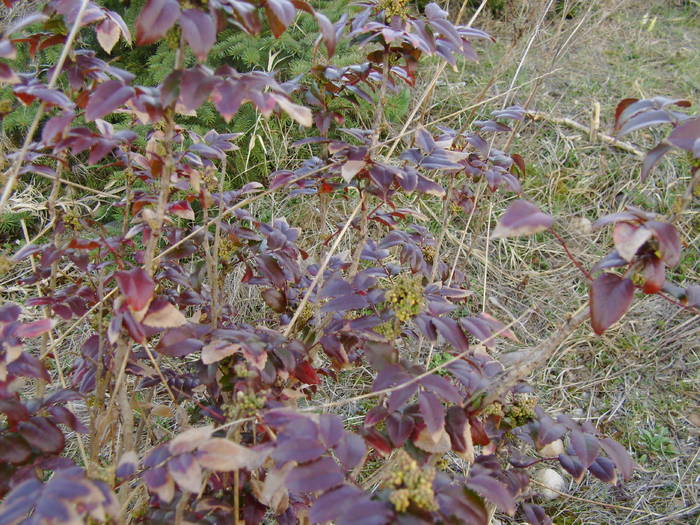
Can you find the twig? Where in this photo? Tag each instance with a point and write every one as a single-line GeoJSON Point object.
{"type": "Point", "coordinates": [612, 141]}
{"type": "Point", "coordinates": [573, 259]}
{"type": "Point", "coordinates": [534, 358]}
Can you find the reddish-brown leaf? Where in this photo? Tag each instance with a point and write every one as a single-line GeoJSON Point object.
{"type": "Point", "coordinates": [199, 31]}
{"type": "Point", "coordinates": [522, 218]}
{"type": "Point", "coordinates": [654, 274]}
{"type": "Point", "coordinates": [162, 314]}
{"type": "Point", "coordinates": [106, 98]}
{"type": "Point", "coordinates": [610, 297]}
{"type": "Point", "coordinates": [280, 14]}
{"type": "Point", "coordinates": [327, 33]}
{"type": "Point", "coordinates": [136, 286]}
{"type": "Point", "coordinates": [306, 373]}
{"type": "Point", "coordinates": [219, 454]}
{"type": "Point", "coordinates": [669, 241]}
{"type": "Point", "coordinates": [155, 19]}
{"type": "Point", "coordinates": [432, 410]}
{"type": "Point", "coordinates": [623, 461]}
{"type": "Point", "coordinates": [586, 447]}
{"type": "Point", "coordinates": [686, 135]}
{"type": "Point", "coordinates": [628, 238]}
{"type": "Point", "coordinates": [321, 474]}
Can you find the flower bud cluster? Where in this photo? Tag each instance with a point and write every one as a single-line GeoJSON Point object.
{"type": "Point", "coordinates": [227, 249]}
{"type": "Point", "coordinates": [71, 220]}
{"type": "Point", "coordinates": [429, 253]}
{"type": "Point", "coordinates": [6, 264]}
{"type": "Point", "coordinates": [248, 403]}
{"type": "Point", "coordinates": [523, 408]}
{"type": "Point", "coordinates": [393, 8]}
{"type": "Point", "coordinates": [411, 484]}
{"type": "Point", "coordinates": [390, 330]}
{"type": "Point", "coordinates": [405, 296]}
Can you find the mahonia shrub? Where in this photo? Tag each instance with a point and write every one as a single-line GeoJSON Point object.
{"type": "Point", "coordinates": [185, 406]}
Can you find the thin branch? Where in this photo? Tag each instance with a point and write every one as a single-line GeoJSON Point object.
{"type": "Point", "coordinates": [612, 141]}
{"type": "Point", "coordinates": [533, 359]}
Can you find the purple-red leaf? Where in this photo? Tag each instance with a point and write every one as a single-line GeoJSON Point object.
{"type": "Point", "coordinates": [686, 135]}
{"type": "Point", "coordinates": [621, 106]}
{"type": "Point", "coordinates": [155, 19]}
{"type": "Point", "coordinates": [535, 515]}
{"type": "Point", "coordinates": [399, 427]}
{"type": "Point", "coordinates": [628, 238]}
{"type": "Point", "coordinates": [108, 33]}
{"type": "Point", "coordinates": [195, 86]}
{"type": "Point", "coordinates": [321, 474]}
{"type": "Point", "coordinates": [334, 503]}
{"type": "Point", "coordinates": [298, 449]}
{"type": "Point", "coordinates": [350, 450]}
{"type": "Point", "coordinates": [654, 274]}
{"type": "Point", "coordinates": [42, 434]}
{"type": "Point", "coordinates": [610, 297]}
{"type": "Point", "coordinates": [34, 329]}
{"type": "Point", "coordinates": [522, 218]}
{"type": "Point", "coordinates": [572, 466]}
{"type": "Point", "coordinates": [14, 449]}
{"type": "Point", "coordinates": [644, 120]}
{"type": "Point", "coordinates": [652, 159]}
{"type": "Point", "coordinates": [330, 428]}
{"type": "Point", "coordinates": [442, 387]}
{"type": "Point", "coordinates": [327, 32]}
{"type": "Point", "coordinates": [669, 241]}
{"type": "Point", "coordinates": [106, 98]}
{"type": "Point", "coordinates": [494, 491]}
{"type": "Point", "coordinates": [603, 469]}
{"type": "Point", "coordinates": [280, 14]}
{"type": "Point", "coordinates": [451, 331]}
{"type": "Point", "coordinates": [127, 465]}
{"type": "Point", "coordinates": [432, 410]}
{"type": "Point", "coordinates": [199, 31]}
{"type": "Point", "coordinates": [137, 287]}
{"type": "Point", "coordinates": [692, 295]}
{"type": "Point", "coordinates": [585, 446]}
{"type": "Point", "coordinates": [619, 456]}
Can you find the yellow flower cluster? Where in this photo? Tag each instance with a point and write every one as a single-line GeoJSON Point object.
{"type": "Point", "coordinates": [247, 404]}
{"type": "Point", "coordinates": [429, 253]}
{"type": "Point", "coordinates": [241, 370]}
{"type": "Point", "coordinates": [210, 180]}
{"type": "Point", "coordinates": [411, 484]}
{"type": "Point", "coordinates": [494, 409]}
{"type": "Point", "coordinates": [394, 8]}
{"type": "Point", "coordinates": [405, 296]}
{"type": "Point", "coordinates": [72, 221]}
{"type": "Point", "coordinates": [455, 208]}
{"type": "Point", "coordinates": [389, 330]}
{"type": "Point", "coordinates": [306, 315]}
{"type": "Point", "coordinates": [523, 409]}
{"type": "Point", "coordinates": [227, 249]}
{"type": "Point", "coordinates": [6, 264]}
